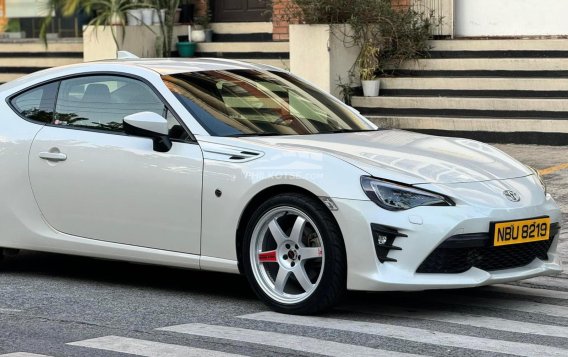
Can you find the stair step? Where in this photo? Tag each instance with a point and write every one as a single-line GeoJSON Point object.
{"type": "Point", "coordinates": [501, 45]}
{"type": "Point", "coordinates": [497, 54]}
{"type": "Point", "coordinates": [266, 51]}
{"type": "Point", "coordinates": [279, 63]}
{"type": "Point", "coordinates": [475, 87]}
{"type": "Point", "coordinates": [487, 64]}
{"type": "Point", "coordinates": [37, 46]}
{"type": "Point", "coordinates": [7, 77]}
{"type": "Point", "coordinates": [502, 104]}
{"type": "Point", "coordinates": [27, 62]}
{"type": "Point", "coordinates": [474, 83]}
{"type": "Point", "coordinates": [241, 27]}
{"type": "Point", "coordinates": [489, 130]}
{"type": "Point", "coordinates": [472, 124]}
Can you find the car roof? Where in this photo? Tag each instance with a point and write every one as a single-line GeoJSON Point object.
{"type": "Point", "coordinates": [161, 66]}
{"type": "Point", "coordinates": [168, 66]}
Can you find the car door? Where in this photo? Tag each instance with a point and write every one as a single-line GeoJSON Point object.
{"type": "Point", "coordinates": [91, 180]}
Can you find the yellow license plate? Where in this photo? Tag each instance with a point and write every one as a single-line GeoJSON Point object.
{"type": "Point", "coordinates": [525, 231]}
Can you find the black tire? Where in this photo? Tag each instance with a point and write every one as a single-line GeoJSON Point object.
{"type": "Point", "coordinates": [333, 280]}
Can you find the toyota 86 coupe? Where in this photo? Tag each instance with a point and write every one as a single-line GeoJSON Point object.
{"type": "Point", "coordinates": [232, 167]}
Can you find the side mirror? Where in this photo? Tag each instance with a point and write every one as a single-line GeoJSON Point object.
{"type": "Point", "coordinates": [149, 125]}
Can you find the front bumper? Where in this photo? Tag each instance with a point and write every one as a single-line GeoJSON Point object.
{"type": "Point", "coordinates": [426, 228]}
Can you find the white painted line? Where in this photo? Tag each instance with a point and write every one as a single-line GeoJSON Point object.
{"type": "Point", "coordinates": [466, 320]}
{"type": "Point", "coordinates": [9, 310]}
{"type": "Point", "coordinates": [147, 348]}
{"type": "Point", "coordinates": [522, 290]}
{"type": "Point", "coordinates": [414, 334]}
{"type": "Point", "coordinates": [22, 354]}
{"type": "Point", "coordinates": [506, 304]}
{"type": "Point", "coordinates": [274, 339]}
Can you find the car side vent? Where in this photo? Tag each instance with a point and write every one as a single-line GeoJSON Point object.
{"type": "Point", "coordinates": [219, 152]}
{"type": "Point", "coordinates": [383, 239]}
{"type": "Point", "coordinates": [244, 155]}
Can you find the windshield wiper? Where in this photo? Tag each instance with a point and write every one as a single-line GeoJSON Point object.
{"type": "Point", "coordinates": [268, 133]}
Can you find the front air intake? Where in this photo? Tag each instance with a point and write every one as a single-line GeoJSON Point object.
{"type": "Point", "coordinates": [383, 240]}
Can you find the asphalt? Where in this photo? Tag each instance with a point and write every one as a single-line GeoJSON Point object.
{"type": "Point", "coordinates": [50, 300]}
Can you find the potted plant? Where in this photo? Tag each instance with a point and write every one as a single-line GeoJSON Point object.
{"type": "Point", "coordinates": [204, 23]}
{"type": "Point", "coordinates": [148, 15]}
{"type": "Point", "coordinates": [368, 64]}
{"type": "Point", "coordinates": [159, 16]}
{"type": "Point", "coordinates": [199, 29]}
{"type": "Point", "coordinates": [186, 48]}
{"type": "Point", "coordinates": [334, 29]}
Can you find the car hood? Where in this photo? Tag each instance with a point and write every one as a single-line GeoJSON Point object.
{"type": "Point", "coordinates": [410, 157]}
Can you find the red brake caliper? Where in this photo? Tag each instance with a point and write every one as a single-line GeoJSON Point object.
{"type": "Point", "coordinates": [267, 257]}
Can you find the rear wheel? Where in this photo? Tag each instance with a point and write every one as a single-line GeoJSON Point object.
{"type": "Point", "coordinates": [294, 256]}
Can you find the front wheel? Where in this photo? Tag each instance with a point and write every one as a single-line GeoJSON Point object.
{"type": "Point", "coordinates": [294, 256]}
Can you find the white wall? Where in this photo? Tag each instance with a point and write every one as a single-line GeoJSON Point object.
{"type": "Point", "coordinates": [501, 18]}
{"type": "Point", "coordinates": [320, 56]}
{"type": "Point", "coordinates": [25, 8]}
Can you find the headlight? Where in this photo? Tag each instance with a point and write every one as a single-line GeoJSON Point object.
{"type": "Point", "coordinates": [540, 179]}
{"type": "Point", "coordinates": [398, 197]}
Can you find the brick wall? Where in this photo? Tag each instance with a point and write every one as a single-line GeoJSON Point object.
{"type": "Point", "coordinates": [401, 3]}
{"type": "Point", "coordinates": [281, 29]}
{"type": "Point", "coordinates": [201, 7]}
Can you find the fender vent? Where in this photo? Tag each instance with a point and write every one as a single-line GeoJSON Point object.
{"type": "Point", "coordinates": [220, 152]}
{"type": "Point", "coordinates": [244, 155]}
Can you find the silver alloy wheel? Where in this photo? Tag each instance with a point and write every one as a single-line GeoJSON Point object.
{"type": "Point", "coordinates": [287, 255]}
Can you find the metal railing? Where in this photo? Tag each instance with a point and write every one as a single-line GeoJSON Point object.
{"type": "Point", "coordinates": [443, 11]}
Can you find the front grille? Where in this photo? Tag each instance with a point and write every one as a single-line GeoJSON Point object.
{"type": "Point", "coordinates": [460, 253]}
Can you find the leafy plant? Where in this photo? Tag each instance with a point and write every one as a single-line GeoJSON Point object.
{"type": "Point", "coordinates": [386, 36]}
{"type": "Point", "coordinates": [113, 12]}
{"type": "Point", "coordinates": [368, 61]}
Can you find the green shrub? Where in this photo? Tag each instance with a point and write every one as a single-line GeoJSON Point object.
{"type": "Point", "coordinates": [387, 36]}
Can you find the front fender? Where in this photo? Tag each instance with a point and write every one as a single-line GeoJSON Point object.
{"type": "Point", "coordinates": [238, 183]}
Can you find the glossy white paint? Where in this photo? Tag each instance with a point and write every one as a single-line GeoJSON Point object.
{"type": "Point", "coordinates": [149, 121]}
{"type": "Point", "coordinates": [114, 197]}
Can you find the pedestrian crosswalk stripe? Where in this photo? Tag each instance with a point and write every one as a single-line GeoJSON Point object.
{"type": "Point", "coordinates": [413, 334]}
{"type": "Point", "coordinates": [521, 290]}
{"type": "Point", "coordinates": [465, 319]}
{"type": "Point", "coordinates": [147, 348]}
{"type": "Point", "coordinates": [275, 339]}
{"type": "Point", "coordinates": [507, 304]}
{"type": "Point", "coordinates": [22, 354]}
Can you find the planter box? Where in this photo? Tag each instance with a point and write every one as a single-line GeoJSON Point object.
{"type": "Point", "coordinates": [318, 54]}
{"type": "Point", "coordinates": [142, 41]}
{"type": "Point", "coordinates": [14, 35]}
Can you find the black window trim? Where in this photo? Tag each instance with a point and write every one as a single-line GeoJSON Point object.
{"type": "Point", "coordinates": [191, 139]}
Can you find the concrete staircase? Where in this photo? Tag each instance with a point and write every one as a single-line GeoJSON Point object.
{"type": "Point", "coordinates": [20, 57]}
{"type": "Point", "coordinates": [251, 42]}
{"type": "Point", "coordinates": [491, 90]}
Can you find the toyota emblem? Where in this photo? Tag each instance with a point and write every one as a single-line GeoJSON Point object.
{"type": "Point", "coordinates": [512, 196]}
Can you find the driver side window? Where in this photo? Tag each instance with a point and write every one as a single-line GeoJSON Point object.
{"type": "Point", "coordinates": [101, 103]}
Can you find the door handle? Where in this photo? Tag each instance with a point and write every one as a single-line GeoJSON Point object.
{"type": "Point", "coordinates": [53, 156]}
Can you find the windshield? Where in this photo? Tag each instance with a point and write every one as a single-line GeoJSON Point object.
{"type": "Point", "coordinates": [251, 102]}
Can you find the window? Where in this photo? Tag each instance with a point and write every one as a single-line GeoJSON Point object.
{"type": "Point", "coordinates": [249, 102]}
{"type": "Point", "coordinates": [37, 104]}
{"type": "Point", "coordinates": [102, 102]}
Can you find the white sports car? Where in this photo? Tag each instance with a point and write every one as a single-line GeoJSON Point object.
{"type": "Point", "coordinates": [227, 166]}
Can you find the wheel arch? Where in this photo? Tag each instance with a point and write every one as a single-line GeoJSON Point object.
{"type": "Point", "coordinates": [254, 202]}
